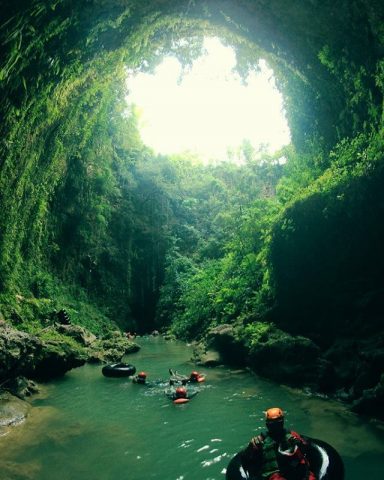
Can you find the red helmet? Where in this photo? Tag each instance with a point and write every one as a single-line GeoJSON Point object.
{"type": "Point", "coordinates": [194, 374]}
{"type": "Point", "coordinates": [181, 392]}
{"type": "Point", "coordinates": [274, 414]}
{"type": "Point", "coordinates": [142, 375]}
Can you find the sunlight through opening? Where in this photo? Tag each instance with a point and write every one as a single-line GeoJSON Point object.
{"type": "Point", "coordinates": [210, 112]}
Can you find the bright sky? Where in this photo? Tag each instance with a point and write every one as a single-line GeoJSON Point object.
{"type": "Point", "coordinates": [211, 110]}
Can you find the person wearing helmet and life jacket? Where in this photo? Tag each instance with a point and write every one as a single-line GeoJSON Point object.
{"type": "Point", "coordinates": [277, 454]}
{"type": "Point", "coordinates": [180, 395]}
{"type": "Point", "coordinates": [181, 392]}
{"type": "Point", "coordinates": [194, 377]}
{"type": "Point", "coordinates": [140, 378]}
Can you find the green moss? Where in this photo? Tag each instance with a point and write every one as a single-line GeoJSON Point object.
{"type": "Point", "coordinates": [60, 344]}
{"type": "Point", "coordinates": [257, 332]}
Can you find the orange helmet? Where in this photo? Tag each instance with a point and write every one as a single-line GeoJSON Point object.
{"type": "Point", "coordinates": [274, 414]}
{"type": "Point", "coordinates": [181, 392]}
{"type": "Point", "coordinates": [142, 375]}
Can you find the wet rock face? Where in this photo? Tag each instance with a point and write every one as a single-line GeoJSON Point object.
{"type": "Point", "coordinates": [359, 374]}
{"type": "Point", "coordinates": [278, 355]}
{"type": "Point", "coordinates": [13, 411]}
{"type": "Point", "coordinates": [80, 334]}
{"type": "Point", "coordinates": [223, 340]}
{"type": "Point", "coordinates": [111, 348]}
{"type": "Point", "coordinates": [286, 358]}
{"type": "Point", "coordinates": [371, 401]}
{"type": "Point", "coordinates": [349, 370]}
{"type": "Point", "coordinates": [17, 351]}
{"type": "Point", "coordinates": [55, 359]}
{"type": "Point", "coordinates": [22, 354]}
{"type": "Point", "coordinates": [205, 356]}
{"type": "Point", "coordinates": [21, 387]}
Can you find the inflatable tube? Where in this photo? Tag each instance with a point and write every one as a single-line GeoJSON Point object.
{"type": "Point", "coordinates": [119, 370]}
{"type": "Point", "coordinates": [323, 459]}
{"type": "Point", "coordinates": [181, 400]}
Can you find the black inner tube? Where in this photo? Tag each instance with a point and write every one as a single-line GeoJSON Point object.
{"type": "Point", "coordinates": [119, 370]}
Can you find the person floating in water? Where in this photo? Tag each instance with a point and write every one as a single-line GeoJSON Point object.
{"type": "Point", "coordinates": [277, 454]}
{"type": "Point", "coordinates": [140, 378]}
{"type": "Point", "coordinates": [194, 377]}
{"type": "Point", "coordinates": [180, 395]}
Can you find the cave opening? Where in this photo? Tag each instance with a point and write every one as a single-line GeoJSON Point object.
{"type": "Point", "coordinates": [209, 111]}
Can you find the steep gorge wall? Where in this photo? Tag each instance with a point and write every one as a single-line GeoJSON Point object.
{"type": "Point", "coordinates": [326, 254]}
{"type": "Point", "coordinates": [62, 70]}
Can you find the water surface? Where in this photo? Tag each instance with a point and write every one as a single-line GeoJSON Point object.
{"type": "Point", "coordinates": [86, 426]}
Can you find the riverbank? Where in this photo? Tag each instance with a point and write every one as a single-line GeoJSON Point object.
{"type": "Point", "coordinates": [348, 370]}
{"type": "Point", "coordinates": [49, 353]}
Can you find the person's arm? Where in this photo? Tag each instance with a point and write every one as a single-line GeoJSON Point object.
{"type": "Point", "coordinates": [251, 455]}
{"type": "Point", "coordinates": [254, 447]}
{"type": "Point", "coordinates": [256, 443]}
{"type": "Point", "coordinates": [176, 376]}
{"type": "Point", "coordinates": [190, 395]}
{"type": "Point", "coordinates": [170, 395]}
{"type": "Point", "coordinates": [299, 441]}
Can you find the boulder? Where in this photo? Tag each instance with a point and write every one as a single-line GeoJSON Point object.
{"type": "Point", "coordinates": [17, 351]}
{"type": "Point", "coordinates": [269, 351]}
{"type": "Point", "coordinates": [357, 365]}
{"type": "Point", "coordinates": [371, 401]}
{"type": "Point", "coordinates": [224, 339]}
{"type": "Point", "coordinates": [111, 348]}
{"type": "Point", "coordinates": [22, 354]}
{"type": "Point", "coordinates": [205, 357]}
{"type": "Point", "coordinates": [13, 410]}
{"type": "Point", "coordinates": [210, 358]}
{"type": "Point", "coordinates": [80, 334]}
{"type": "Point", "coordinates": [55, 358]}
{"type": "Point", "coordinates": [21, 387]}
{"type": "Point", "coordinates": [344, 355]}
{"type": "Point", "coordinates": [169, 336]}
{"type": "Point", "coordinates": [285, 358]}
{"type": "Point", "coordinates": [59, 348]}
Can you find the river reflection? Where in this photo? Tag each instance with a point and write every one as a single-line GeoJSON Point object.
{"type": "Point", "coordinates": [86, 426]}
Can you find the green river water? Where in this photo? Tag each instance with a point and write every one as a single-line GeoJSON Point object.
{"type": "Point", "coordinates": [86, 426]}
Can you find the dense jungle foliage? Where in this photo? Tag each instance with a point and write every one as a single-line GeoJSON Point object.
{"type": "Point", "coordinates": [95, 222]}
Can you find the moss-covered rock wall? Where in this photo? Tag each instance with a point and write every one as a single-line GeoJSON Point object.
{"type": "Point", "coordinates": [62, 70]}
